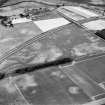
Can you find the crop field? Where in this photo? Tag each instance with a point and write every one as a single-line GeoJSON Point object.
{"type": "Point", "coordinates": [50, 60]}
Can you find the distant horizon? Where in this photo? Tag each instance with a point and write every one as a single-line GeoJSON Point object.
{"type": "Point", "coordinates": [94, 2]}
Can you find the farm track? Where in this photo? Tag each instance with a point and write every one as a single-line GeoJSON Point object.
{"type": "Point", "coordinates": [28, 42]}
{"type": "Point", "coordinates": [33, 1]}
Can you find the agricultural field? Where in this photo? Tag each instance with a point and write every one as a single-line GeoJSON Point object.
{"type": "Point", "coordinates": [50, 53]}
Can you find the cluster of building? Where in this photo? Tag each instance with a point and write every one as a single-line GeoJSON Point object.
{"type": "Point", "coordinates": [29, 13]}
